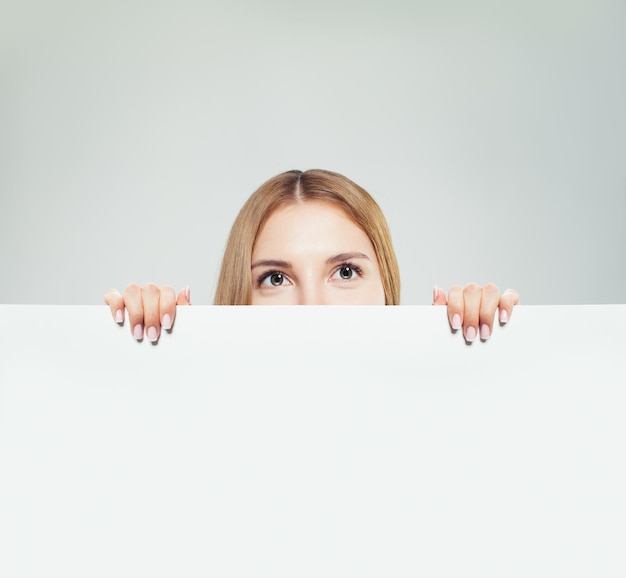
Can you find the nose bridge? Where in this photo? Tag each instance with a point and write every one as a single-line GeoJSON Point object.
{"type": "Point", "coordinates": [311, 294]}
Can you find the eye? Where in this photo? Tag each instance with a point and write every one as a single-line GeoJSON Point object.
{"type": "Point", "coordinates": [276, 279]}
{"type": "Point", "coordinates": [346, 272]}
{"type": "Point", "coordinates": [272, 279]}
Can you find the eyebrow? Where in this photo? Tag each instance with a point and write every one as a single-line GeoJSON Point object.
{"type": "Point", "coordinates": [271, 263]}
{"type": "Point", "coordinates": [346, 257]}
{"type": "Point", "coordinates": [342, 257]}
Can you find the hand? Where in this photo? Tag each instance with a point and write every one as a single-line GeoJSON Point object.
{"type": "Point", "coordinates": [473, 307]}
{"type": "Point", "coordinates": [151, 307]}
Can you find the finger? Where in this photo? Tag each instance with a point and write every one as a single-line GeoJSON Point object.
{"type": "Point", "coordinates": [439, 296]}
{"type": "Point", "coordinates": [167, 307]}
{"type": "Point", "coordinates": [455, 307]}
{"type": "Point", "coordinates": [471, 312]}
{"type": "Point", "coordinates": [488, 304]}
{"type": "Point", "coordinates": [508, 300]}
{"type": "Point", "coordinates": [184, 296]}
{"type": "Point", "coordinates": [116, 302]}
{"type": "Point", "coordinates": [134, 306]}
{"type": "Point", "coordinates": [150, 296]}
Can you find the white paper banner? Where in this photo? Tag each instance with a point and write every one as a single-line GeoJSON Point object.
{"type": "Point", "coordinates": [304, 441]}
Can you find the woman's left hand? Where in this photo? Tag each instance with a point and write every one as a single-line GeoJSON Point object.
{"type": "Point", "coordinates": [474, 307]}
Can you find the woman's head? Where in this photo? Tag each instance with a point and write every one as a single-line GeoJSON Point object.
{"type": "Point", "coordinates": [320, 214]}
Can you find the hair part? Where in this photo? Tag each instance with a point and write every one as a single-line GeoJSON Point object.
{"type": "Point", "coordinates": [235, 279]}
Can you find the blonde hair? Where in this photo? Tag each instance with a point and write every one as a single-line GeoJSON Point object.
{"type": "Point", "coordinates": [235, 280]}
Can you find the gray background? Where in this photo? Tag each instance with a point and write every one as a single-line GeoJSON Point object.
{"type": "Point", "coordinates": [493, 135]}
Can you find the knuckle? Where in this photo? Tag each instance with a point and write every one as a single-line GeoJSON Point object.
{"type": "Point", "coordinates": [491, 288]}
{"type": "Point", "coordinates": [512, 295]}
{"type": "Point", "coordinates": [167, 293]}
{"type": "Point", "coordinates": [455, 292]}
{"type": "Point", "coordinates": [132, 288]}
{"type": "Point", "coordinates": [471, 288]}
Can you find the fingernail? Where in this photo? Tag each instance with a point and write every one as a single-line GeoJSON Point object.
{"type": "Point", "coordinates": [188, 294]}
{"type": "Point", "coordinates": [456, 321]}
{"type": "Point", "coordinates": [484, 332]}
{"type": "Point", "coordinates": [470, 334]}
{"type": "Point", "coordinates": [435, 293]}
{"type": "Point", "coordinates": [504, 316]}
{"type": "Point", "coordinates": [167, 321]}
{"type": "Point", "coordinates": [152, 333]}
{"type": "Point", "coordinates": [119, 316]}
{"type": "Point", "coordinates": [138, 331]}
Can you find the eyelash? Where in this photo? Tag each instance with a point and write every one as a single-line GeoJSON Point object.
{"type": "Point", "coordinates": [347, 264]}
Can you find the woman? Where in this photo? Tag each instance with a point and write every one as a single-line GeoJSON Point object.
{"type": "Point", "coordinates": [310, 238]}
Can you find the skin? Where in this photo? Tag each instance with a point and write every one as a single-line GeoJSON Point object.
{"type": "Point", "coordinates": [312, 254]}
{"type": "Point", "coordinates": [473, 308]}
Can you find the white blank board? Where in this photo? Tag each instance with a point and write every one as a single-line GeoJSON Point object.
{"type": "Point", "coordinates": [313, 441]}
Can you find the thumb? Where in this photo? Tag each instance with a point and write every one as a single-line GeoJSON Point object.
{"type": "Point", "coordinates": [439, 296]}
{"type": "Point", "coordinates": [184, 297]}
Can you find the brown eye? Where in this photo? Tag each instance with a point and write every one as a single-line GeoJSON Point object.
{"type": "Point", "coordinates": [276, 279]}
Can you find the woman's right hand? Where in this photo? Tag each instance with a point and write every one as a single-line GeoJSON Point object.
{"type": "Point", "coordinates": [150, 307]}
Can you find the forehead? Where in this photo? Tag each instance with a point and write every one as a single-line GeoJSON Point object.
{"type": "Point", "coordinates": [310, 226]}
